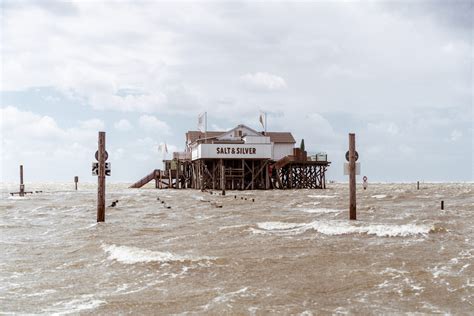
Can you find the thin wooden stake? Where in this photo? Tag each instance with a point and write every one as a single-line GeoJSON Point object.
{"type": "Point", "coordinates": [101, 186]}
{"type": "Point", "coordinates": [352, 178]}
{"type": "Point", "coordinates": [22, 185]}
{"type": "Point", "coordinates": [222, 177]}
{"type": "Point", "coordinates": [76, 180]}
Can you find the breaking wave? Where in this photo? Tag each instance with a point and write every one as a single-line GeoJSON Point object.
{"type": "Point", "coordinates": [132, 255]}
{"type": "Point", "coordinates": [341, 228]}
{"type": "Point", "coordinates": [322, 196]}
{"type": "Point", "coordinates": [320, 210]}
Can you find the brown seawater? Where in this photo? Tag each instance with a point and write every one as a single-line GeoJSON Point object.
{"type": "Point", "coordinates": [289, 252]}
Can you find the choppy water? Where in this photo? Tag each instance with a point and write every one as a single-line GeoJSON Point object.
{"type": "Point", "coordinates": [289, 252]}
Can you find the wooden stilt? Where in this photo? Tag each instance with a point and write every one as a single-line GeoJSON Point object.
{"type": "Point", "coordinates": [22, 185]}
{"type": "Point", "coordinates": [222, 177]}
{"type": "Point", "coordinates": [101, 180]}
{"type": "Point", "coordinates": [352, 178]}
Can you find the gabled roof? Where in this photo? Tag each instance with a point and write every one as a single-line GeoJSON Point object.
{"type": "Point", "coordinates": [281, 137]}
{"type": "Point", "coordinates": [275, 137]}
{"type": "Point", "coordinates": [242, 126]}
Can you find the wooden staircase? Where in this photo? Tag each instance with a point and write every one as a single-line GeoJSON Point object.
{"type": "Point", "coordinates": [145, 179]}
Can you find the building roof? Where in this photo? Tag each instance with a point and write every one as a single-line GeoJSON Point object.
{"type": "Point", "coordinates": [275, 137]}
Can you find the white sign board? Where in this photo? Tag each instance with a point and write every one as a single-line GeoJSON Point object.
{"type": "Point", "coordinates": [346, 168]}
{"type": "Point", "coordinates": [232, 151]}
{"type": "Point", "coordinates": [95, 169]}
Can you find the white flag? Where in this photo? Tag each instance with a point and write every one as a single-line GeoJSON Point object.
{"type": "Point", "coordinates": [261, 120]}
{"type": "Point", "coordinates": [163, 148]}
{"type": "Point", "coordinates": [202, 122]}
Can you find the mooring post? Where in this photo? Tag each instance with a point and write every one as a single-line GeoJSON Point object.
{"type": "Point", "coordinates": [101, 184]}
{"type": "Point", "coordinates": [177, 174]}
{"type": "Point", "coordinates": [352, 178]}
{"type": "Point", "coordinates": [417, 185]}
{"type": "Point", "coordinates": [22, 185]}
{"type": "Point", "coordinates": [442, 205]}
{"type": "Point", "coordinates": [76, 180]}
{"type": "Point", "coordinates": [222, 177]}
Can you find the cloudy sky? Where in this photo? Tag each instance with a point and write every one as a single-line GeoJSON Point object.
{"type": "Point", "coordinates": [397, 73]}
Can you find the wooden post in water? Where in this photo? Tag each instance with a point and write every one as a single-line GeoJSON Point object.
{"type": "Point", "coordinates": [352, 178]}
{"type": "Point", "coordinates": [177, 174]}
{"type": "Point", "coordinates": [22, 185]}
{"type": "Point", "coordinates": [442, 205]}
{"type": "Point", "coordinates": [101, 186]}
{"type": "Point", "coordinates": [76, 180]}
{"type": "Point", "coordinates": [222, 177]}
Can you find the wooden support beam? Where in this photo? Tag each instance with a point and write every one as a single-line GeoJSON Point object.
{"type": "Point", "coordinates": [101, 179]}
{"type": "Point", "coordinates": [22, 185]}
{"type": "Point", "coordinates": [352, 178]}
{"type": "Point", "coordinates": [222, 176]}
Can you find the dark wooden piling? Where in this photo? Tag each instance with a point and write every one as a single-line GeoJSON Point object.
{"type": "Point", "coordinates": [222, 177]}
{"type": "Point", "coordinates": [22, 185]}
{"type": "Point", "coordinates": [101, 181]}
{"type": "Point", "coordinates": [76, 180]}
{"type": "Point", "coordinates": [352, 178]}
{"type": "Point", "coordinates": [442, 205]}
{"type": "Point", "coordinates": [417, 185]}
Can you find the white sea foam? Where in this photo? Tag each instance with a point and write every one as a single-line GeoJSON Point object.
{"type": "Point", "coordinates": [132, 255]}
{"type": "Point", "coordinates": [322, 196]}
{"type": "Point", "coordinates": [343, 228]}
{"type": "Point", "coordinates": [279, 225]}
{"type": "Point", "coordinates": [85, 302]}
{"type": "Point", "coordinates": [379, 196]}
{"type": "Point", "coordinates": [321, 210]}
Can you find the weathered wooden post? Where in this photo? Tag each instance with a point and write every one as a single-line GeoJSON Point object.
{"type": "Point", "coordinates": [177, 174]}
{"type": "Point", "coordinates": [76, 180]}
{"type": "Point", "coordinates": [222, 177]}
{"type": "Point", "coordinates": [22, 185]}
{"type": "Point", "coordinates": [352, 178]}
{"type": "Point", "coordinates": [101, 187]}
{"type": "Point", "coordinates": [417, 185]}
{"type": "Point", "coordinates": [442, 205]}
{"type": "Point", "coordinates": [267, 177]}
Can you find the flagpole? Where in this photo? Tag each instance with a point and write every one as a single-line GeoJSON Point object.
{"type": "Point", "coordinates": [205, 127]}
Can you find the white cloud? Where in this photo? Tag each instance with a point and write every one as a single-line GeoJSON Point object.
{"type": "Point", "coordinates": [150, 123]}
{"type": "Point", "coordinates": [264, 81]}
{"type": "Point", "coordinates": [123, 125]}
{"type": "Point", "coordinates": [43, 146]}
{"type": "Point", "coordinates": [389, 128]}
{"type": "Point", "coordinates": [93, 124]}
{"type": "Point", "coordinates": [455, 135]}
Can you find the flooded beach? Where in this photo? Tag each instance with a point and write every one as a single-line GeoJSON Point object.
{"type": "Point", "coordinates": [262, 252]}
